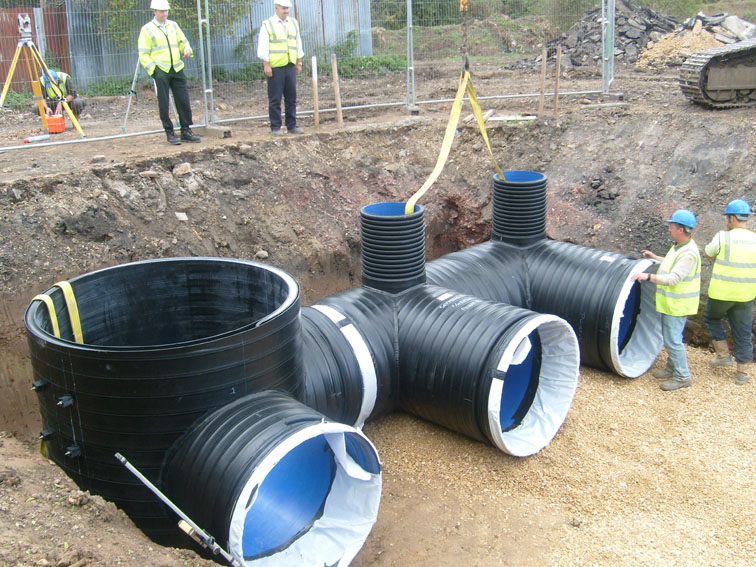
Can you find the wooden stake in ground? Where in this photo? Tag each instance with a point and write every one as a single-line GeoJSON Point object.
{"type": "Point", "coordinates": [337, 95]}
{"type": "Point", "coordinates": [544, 56]}
{"type": "Point", "coordinates": [556, 87]}
{"type": "Point", "coordinates": [315, 112]}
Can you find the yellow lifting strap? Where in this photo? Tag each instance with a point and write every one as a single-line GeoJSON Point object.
{"type": "Point", "coordinates": [47, 300]}
{"type": "Point", "coordinates": [71, 306]}
{"type": "Point", "coordinates": [465, 85]}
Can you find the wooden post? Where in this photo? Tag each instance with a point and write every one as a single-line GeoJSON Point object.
{"type": "Point", "coordinates": [544, 56]}
{"type": "Point", "coordinates": [558, 72]}
{"type": "Point", "coordinates": [337, 95]}
{"type": "Point", "coordinates": [315, 113]}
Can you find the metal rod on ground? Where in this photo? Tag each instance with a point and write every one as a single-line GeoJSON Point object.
{"type": "Point", "coordinates": [558, 72]}
{"type": "Point", "coordinates": [544, 56]}
{"type": "Point", "coordinates": [336, 93]}
{"type": "Point", "coordinates": [191, 529]}
{"type": "Point", "coordinates": [132, 92]}
{"type": "Point", "coordinates": [315, 113]}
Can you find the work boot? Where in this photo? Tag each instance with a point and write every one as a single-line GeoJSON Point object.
{"type": "Point", "coordinates": [722, 354]}
{"type": "Point", "coordinates": [675, 384]}
{"type": "Point", "coordinates": [276, 132]}
{"type": "Point", "coordinates": [295, 130]}
{"type": "Point", "coordinates": [188, 136]}
{"type": "Point", "coordinates": [173, 138]}
{"type": "Point", "coordinates": [662, 374]}
{"type": "Point", "coordinates": [742, 376]}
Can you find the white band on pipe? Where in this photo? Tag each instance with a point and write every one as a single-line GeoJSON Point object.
{"type": "Point", "coordinates": [351, 507]}
{"type": "Point", "coordinates": [557, 383]}
{"type": "Point", "coordinates": [644, 344]}
{"type": "Point", "coordinates": [364, 361]}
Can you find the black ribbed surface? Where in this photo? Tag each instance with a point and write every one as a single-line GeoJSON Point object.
{"type": "Point", "coordinates": [373, 314]}
{"type": "Point", "coordinates": [207, 468]}
{"type": "Point", "coordinates": [450, 345]}
{"type": "Point", "coordinates": [393, 247]}
{"type": "Point", "coordinates": [333, 382]}
{"type": "Point", "coordinates": [166, 341]}
{"type": "Point", "coordinates": [492, 270]}
{"type": "Point", "coordinates": [519, 207]}
{"type": "Point", "coordinates": [582, 286]}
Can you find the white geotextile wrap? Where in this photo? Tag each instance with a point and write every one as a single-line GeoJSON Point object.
{"type": "Point", "coordinates": [558, 378]}
{"type": "Point", "coordinates": [364, 361]}
{"type": "Point", "coordinates": [350, 510]}
{"type": "Point", "coordinates": [644, 345]}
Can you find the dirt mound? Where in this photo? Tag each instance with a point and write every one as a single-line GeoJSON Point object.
{"type": "Point", "coordinates": [672, 49]}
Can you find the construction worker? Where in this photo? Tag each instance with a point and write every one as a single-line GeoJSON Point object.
{"type": "Point", "coordinates": [162, 45]}
{"type": "Point", "coordinates": [678, 289]}
{"type": "Point", "coordinates": [279, 46]}
{"type": "Point", "coordinates": [732, 289]}
{"type": "Point", "coordinates": [64, 83]}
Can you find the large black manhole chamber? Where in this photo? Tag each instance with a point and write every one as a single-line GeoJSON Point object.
{"type": "Point", "coordinates": [161, 344]}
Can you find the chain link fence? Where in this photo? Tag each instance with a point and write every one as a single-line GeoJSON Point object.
{"type": "Point", "coordinates": [387, 52]}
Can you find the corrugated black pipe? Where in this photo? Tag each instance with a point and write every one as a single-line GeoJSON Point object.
{"type": "Point", "coordinates": [393, 247]}
{"type": "Point", "coordinates": [165, 341]}
{"type": "Point", "coordinates": [614, 318]}
{"type": "Point", "coordinates": [493, 372]}
{"type": "Point", "coordinates": [519, 207]}
{"type": "Point", "coordinates": [276, 483]}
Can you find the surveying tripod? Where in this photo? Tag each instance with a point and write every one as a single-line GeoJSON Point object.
{"type": "Point", "coordinates": [36, 67]}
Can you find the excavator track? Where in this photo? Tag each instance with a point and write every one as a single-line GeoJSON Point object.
{"type": "Point", "coordinates": [722, 77]}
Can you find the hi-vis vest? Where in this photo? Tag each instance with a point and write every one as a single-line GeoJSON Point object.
{"type": "Point", "coordinates": [282, 48]}
{"type": "Point", "coordinates": [680, 299]}
{"type": "Point", "coordinates": [159, 49]}
{"type": "Point", "coordinates": [61, 84]}
{"type": "Point", "coordinates": [734, 275]}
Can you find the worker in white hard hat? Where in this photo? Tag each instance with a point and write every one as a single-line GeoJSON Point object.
{"type": "Point", "coordinates": [162, 45]}
{"type": "Point", "coordinates": [678, 290]}
{"type": "Point", "coordinates": [279, 46]}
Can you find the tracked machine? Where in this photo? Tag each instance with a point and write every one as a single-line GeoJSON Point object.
{"type": "Point", "coordinates": [722, 77]}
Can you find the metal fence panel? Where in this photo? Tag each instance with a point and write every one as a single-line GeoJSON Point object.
{"type": "Point", "coordinates": [95, 40]}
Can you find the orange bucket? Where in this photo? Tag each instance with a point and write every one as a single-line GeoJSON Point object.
{"type": "Point", "coordinates": [56, 124]}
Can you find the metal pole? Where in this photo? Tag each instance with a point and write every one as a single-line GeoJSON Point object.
{"type": "Point", "coordinates": [203, 69]}
{"type": "Point", "coordinates": [131, 95]}
{"type": "Point", "coordinates": [411, 104]}
{"type": "Point", "coordinates": [210, 90]}
{"type": "Point", "coordinates": [607, 44]}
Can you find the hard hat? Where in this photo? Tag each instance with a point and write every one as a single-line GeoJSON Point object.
{"type": "Point", "coordinates": [684, 218]}
{"type": "Point", "coordinates": [159, 5]}
{"type": "Point", "coordinates": [283, 3]}
{"type": "Point", "coordinates": [46, 81]}
{"type": "Point", "coordinates": [738, 207]}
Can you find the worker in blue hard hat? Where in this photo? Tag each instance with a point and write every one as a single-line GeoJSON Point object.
{"type": "Point", "coordinates": [732, 289]}
{"type": "Point", "coordinates": [678, 289]}
{"type": "Point", "coordinates": [65, 85]}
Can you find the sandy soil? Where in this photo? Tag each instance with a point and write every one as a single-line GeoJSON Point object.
{"type": "Point", "coordinates": [635, 476]}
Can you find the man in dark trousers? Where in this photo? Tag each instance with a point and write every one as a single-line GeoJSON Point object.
{"type": "Point", "coordinates": [162, 44]}
{"type": "Point", "coordinates": [279, 46]}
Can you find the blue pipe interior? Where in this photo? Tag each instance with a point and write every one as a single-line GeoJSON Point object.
{"type": "Point", "coordinates": [290, 499]}
{"type": "Point", "coordinates": [520, 385]}
{"type": "Point", "coordinates": [389, 209]}
{"type": "Point", "coordinates": [629, 316]}
{"type": "Point", "coordinates": [521, 176]}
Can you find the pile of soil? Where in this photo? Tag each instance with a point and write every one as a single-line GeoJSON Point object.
{"type": "Point", "coordinates": [635, 476]}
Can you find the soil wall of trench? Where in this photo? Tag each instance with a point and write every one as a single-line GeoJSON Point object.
{"type": "Point", "coordinates": [615, 175]}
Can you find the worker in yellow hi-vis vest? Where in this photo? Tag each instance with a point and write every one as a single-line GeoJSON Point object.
{"type": "Point", "coordinates": [732, 289]}
{"type": "Point", "coordinates": [279, 46]}
{"type": "Point", "coordinates": [678, 289]}
{"type": "Point", "coordinates": [162, 45]}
